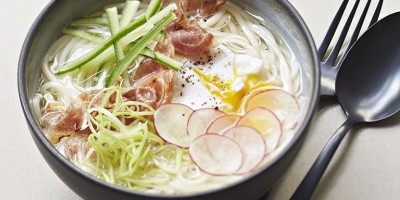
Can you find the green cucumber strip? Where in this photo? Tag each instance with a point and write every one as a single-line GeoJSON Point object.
{"type": "Point", "coordinates": [161, 37]}
{"type": "Point", "coordinates": [129, 12]}
{"type": "Point", "coordinates": [148, 53]}
{"type": "Point", "coordinates": [162, 59]}
{"type": "Point", "coordinates": [84, 34]}
{"type": "Point", "coordinates": [85, 21]}
{"type": "Point", "coordinates": [122, 33]}
{"type": "Point", "coordinates": [167, 61]}
{"type": "Point", "coordinates": [154, 6]}
{"type": "Point", "coordinates": [112, 15]}
{"type": "Point", "coordinates": [109, 53]}
{"type": "Point", "coordinates": [97, 51]}
{"type": "Point", "coordinates": [160, 15]}
{"type": "Point", "coordinates": [137, 49]}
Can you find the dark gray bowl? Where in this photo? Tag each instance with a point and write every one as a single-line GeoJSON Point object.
{"type": "Point", "coordinates": [47, 28]}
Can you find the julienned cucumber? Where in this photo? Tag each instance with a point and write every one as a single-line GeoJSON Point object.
{"type": "Point", "coordinates": [85, 34]}
{"type": "Point", "coordinates": [133, 26]}
{"type": "Point", "coordinates": [129, 12]}
{"type": "Point", "coordinates": [137, 48]}
{"type": "Point", "coordinates": [97, 51]}
{"type": "Point", "coordinates": [154, 6]}
{"type": "Point", "coordinates": [113, 21]}
{"type": "Point", "coordinates": [163, 59]}
{"type": "Point", "coordinates": [90, 20]}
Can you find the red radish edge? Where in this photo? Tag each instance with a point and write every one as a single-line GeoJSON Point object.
{"type": "Point", "coordinates": [224, 156]}
{"type": "Point", "coordinates": [206, 123]}
{"type": "Point", "coordinates": [271, 90]}
{"type": "Point", "coordinates": [277, 119]}
{"type": "Point", "coordinates": [163, 136]}
{"type": "Point", "coordinates": [217, 120]}
{"type": "Point", "coordinates": [257, 160]}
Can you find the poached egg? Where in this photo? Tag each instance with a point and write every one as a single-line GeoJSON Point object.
{"type": "Point", "coordinates": [218, 80]}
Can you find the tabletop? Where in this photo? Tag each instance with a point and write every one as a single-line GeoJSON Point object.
{"type": "Point", "coordinates": [364, 167]}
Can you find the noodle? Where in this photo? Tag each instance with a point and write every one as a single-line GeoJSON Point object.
{"type": "Point", "coordinates": [122, 147]}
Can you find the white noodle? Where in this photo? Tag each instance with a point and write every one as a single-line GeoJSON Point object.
{"type": "Point", "coordinates": [236, 13]}
{"type": "Point", "coordinates": [61, 91]}
{"type": "Point", "coordinates": [284, 67]}
{"type": "Point", "coordinates": [231, 26]}
{"type": "Point", "coordinates": [215, 18]}
{"type": "Point", "coordinates": [36, 105]}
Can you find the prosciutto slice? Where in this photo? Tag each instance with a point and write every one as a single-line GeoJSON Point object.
{"type": "Point", "coordinates": [153, 82]}
{"type": "Point", "coordinates": [186, 35]}
{"type": "Point", "coordinates": [154, 89]}
{"type": "Point", "coordinates": [69, 120]}
{"type": "Point", "coordinates": [63, 122]}
{"type": "Point", "coordinates": [189, 40]}
{"type": "Point", "coordinates": [203, 8]}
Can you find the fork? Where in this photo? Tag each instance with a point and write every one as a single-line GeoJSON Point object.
{"type": "Point", "coordinates": [330, 68]}
{"type": "Point", "coordinates": [329, 72]}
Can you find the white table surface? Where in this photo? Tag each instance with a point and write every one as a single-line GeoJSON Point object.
{"type": "Point", "coordinates": [365, 167]}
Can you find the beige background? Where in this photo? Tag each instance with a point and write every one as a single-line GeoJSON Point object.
{"type": "Point", "coordinates": [365, 167]}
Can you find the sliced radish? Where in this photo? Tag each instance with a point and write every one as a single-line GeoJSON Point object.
{"type": "Point", "coordinates": [222, 123]}
{"type": "Point", "coordinates": [284, 105]}
{"type": "Point", "coordinates": [216, 154]}
{"type": "Point", "coordinates": [266, 123]}
{"type": "Point", "coordinates": [170, 122]}
{"type": "Point", "coordinates": [199, 120]}
{"type": "Point", "coordinates": [252, 144]}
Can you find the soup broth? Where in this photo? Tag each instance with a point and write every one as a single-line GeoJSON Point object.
{"type": "Point", "coordinates": [170, 97]}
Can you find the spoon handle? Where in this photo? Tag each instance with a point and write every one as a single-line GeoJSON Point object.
{"type": "Point", "coordinates": [310, 181]}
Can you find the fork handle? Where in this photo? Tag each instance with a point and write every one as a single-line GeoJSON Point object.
{"type": "Point", "coordinates": [311, 180]}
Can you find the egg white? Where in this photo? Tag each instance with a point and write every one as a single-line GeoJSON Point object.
{"type": "Point", "coordinates": [221, 63]}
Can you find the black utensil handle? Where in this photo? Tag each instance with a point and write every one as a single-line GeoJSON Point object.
{"type": "Point", "coordinates": [310, 181]}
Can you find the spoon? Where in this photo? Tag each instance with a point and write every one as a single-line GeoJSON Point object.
{"type": "Point", "coordinates": [367, 88]}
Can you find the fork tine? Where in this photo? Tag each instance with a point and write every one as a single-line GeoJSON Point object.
{"type": "Point", "coordinates": [376, 13]}
{"type": "Point", "coordinates": [357, 30]}
{"type": "Point", "coordinates": [332, 29]}
{"type": "Point", "coordinates": [332, 57]}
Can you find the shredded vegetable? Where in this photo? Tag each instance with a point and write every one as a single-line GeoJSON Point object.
{"type": "Point", "coordinates": [123, 153]}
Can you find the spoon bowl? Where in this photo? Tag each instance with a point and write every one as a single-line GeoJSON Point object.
{"type": "Point", "coordinates": [368, 83]}
{"type": "Point", "coordinates": [367, 88]}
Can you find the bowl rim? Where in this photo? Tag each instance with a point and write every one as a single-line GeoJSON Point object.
{"type": "Point", "coordinates": [36, 132]}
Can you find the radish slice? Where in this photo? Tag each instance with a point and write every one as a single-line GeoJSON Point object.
{"type": "Point", "coordinates": [266, 123]}
{"type": "Point", "coordinates": [252, 144]}
{"type": "Point", "coordinates": [284, 105]}
{"type": "Point", "coordinates": [170, 122]}
{"type": "Point", "coordinates": [199, 120]}
{"type": "Point", "coordinates": [216, 154]}
{"type": "Point", "coordinates": [222, 123]}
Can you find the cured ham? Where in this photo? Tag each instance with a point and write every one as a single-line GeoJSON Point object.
{"type": "Point", "coordinates": [186, 35]}
{"type": "Point", "coordinates": [74, 148]}
{"type": "Point", "coordinates": [153, 84]}
{"type": "Point", "coordinates": [69, 120]}
{"type": "Point", "coordinates": [204, 8]}
{"type": "Point", "coordinates": [190, 40]}
{"type": "Point", "coordinates": [62, 122]}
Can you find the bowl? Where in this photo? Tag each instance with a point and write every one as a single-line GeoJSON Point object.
{"type": "Point", "coordinates": [279, 14]}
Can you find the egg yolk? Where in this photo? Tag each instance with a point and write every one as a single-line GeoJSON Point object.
{"type": "Point", "coordinates": [226, 91]}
